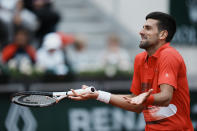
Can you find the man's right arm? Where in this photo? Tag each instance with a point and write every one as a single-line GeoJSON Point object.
{"type": "Point", "coordinates": [120, 101]}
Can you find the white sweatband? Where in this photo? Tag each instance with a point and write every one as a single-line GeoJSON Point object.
{"type": "Point", "coordinates": [104, 96]}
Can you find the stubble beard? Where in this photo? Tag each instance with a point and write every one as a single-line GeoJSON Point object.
{"type": "Point", "coordinates": [144, 45]}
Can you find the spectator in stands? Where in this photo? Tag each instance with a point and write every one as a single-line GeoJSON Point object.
{"type": "Point", "coordinates": [115, 58]}
{"type": "Point", "coordinates": [48, 18]}
{"type": "Point", "coordinates": [25, 17]}
{"type": "Point", "coordinates": [79, 57]}
{"type": "Point", "coordinates": [19, 54]}
{"type": "Point", "coordinates": [14, 14]}
{"type": "Point", "coordinates": [51, 58]}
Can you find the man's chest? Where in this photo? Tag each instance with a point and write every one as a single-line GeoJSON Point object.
{"type": "Point", "coordinates": [149, 74]}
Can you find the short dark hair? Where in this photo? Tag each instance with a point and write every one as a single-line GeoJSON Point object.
{"type": "Point", "coordinates": [21, 28]}
{"type": "Point", "coordinates": [166, 22]}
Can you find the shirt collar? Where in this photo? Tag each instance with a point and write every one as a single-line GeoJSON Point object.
{"type": "Point", "coordinates": [156, 54]}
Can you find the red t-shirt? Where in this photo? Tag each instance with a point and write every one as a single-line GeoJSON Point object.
{"type": "Point", "coordinates": [9, 51]}
{"type": "Point", "coordinates": [166, 66]}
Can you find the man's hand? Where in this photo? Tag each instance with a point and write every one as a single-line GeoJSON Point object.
{"type": "Point", "coordinates": [83, 96]}
{"type": "Point", "coordinates": [140, 99]}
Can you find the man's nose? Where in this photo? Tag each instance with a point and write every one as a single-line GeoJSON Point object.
{"type": "Point", "coordinates": [141, 32]}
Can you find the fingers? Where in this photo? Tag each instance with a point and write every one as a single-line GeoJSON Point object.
{"type": "Point", "coordinates": [84, 86]}
{"type": "Point", "coordinates": [150, 91]}
{"type": "Point", "coordinates": [79, 97]}
{"type": "Point", "coordinates": [74, 93]}
{"type": "Point", "coordinates": [76, 98]}
{"type": "Point", "coordinates": [78, 91]}
{"type": "Point", "coordinates": [137, 100]}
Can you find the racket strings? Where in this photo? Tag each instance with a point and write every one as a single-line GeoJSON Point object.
{"type": "Point", "coordinates": [37, 99]}
{"type": "Point", "coordinates": [32, 100]}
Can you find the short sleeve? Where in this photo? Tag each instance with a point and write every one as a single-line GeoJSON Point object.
{"type": "Point", "coordinates": [135, 86]}
{"type": "Point", "coordinates": [168, 69]}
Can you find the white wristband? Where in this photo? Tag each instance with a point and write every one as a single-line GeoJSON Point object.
{"type": "Point", "coordinates": [104, 96]}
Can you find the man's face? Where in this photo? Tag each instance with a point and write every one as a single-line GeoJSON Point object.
{"type": "Point", "coordinates": [21, 38]}
{"type": "Point", "coordinates": [149, 34]}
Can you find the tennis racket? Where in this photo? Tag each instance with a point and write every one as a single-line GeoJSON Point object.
{"type": "Point", "coordinates": [43, 99]}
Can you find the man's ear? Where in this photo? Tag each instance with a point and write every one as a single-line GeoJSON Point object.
{"type": "Point", "coordinates": [163, 34]}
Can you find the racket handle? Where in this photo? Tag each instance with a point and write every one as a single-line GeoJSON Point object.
{"type": "Point", "coordinates": [90, 89]}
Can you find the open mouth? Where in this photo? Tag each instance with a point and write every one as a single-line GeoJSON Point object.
{"type": "Point", "coordinates": [142, 39]}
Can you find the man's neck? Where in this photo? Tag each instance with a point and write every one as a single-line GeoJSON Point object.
{"type": "Point", "coordinates": [153, 49]}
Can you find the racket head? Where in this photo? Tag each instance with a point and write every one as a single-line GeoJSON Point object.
{"type": "Point", "coordinates": [33, 100]}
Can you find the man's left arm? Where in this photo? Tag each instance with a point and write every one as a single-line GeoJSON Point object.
{"type": "Point", "coordinates": [162, 98]}
{"type": "Point", "coordinates": [165, 95]}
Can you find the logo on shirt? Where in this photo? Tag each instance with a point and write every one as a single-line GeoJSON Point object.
{"type": "Point", "coordinates": [166, 75]}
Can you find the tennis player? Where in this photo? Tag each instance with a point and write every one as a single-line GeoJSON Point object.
{"type": "Point", "coordinates": [159, 87]}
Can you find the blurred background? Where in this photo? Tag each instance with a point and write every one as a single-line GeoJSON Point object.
{"type": "Point", "coordinates": [56, 45]}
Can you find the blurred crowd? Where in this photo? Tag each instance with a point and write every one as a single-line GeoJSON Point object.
{"type": "Point", "coordinates": [30, 42]}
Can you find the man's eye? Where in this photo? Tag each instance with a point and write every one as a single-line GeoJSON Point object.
{"type": "Point", "coordinates": [148, 28]}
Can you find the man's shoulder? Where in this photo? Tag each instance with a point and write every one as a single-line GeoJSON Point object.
{"type": "Point", "coordinates": [170, 51]}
